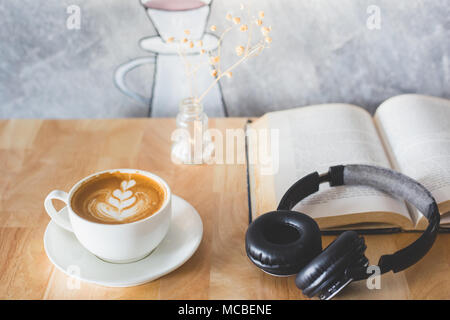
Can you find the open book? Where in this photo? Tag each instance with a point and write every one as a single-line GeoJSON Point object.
{"type": "Point", "coordinates": [409, 133]}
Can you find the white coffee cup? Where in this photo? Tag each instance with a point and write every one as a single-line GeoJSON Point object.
{"type": "Point", "coordinates": [117, 243]}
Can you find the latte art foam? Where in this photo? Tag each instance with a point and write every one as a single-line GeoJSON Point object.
{"type": "Point", "coordinates": [117, 206]}
{"type": "Point", "coordinates": [118, 198]}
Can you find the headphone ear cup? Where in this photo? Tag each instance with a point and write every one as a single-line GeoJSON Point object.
{"type": "Point", "coordinates": [282, 242]}
{"type": "Point", "coordinates": [328, 268]}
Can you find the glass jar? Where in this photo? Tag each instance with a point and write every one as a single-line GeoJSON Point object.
{"type": "Point", "coordinates": [191, 141]}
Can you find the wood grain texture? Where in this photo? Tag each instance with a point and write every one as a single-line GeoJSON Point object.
{"type": "Point", "coordinates": [37, 156]}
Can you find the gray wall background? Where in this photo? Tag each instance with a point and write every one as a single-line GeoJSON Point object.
{"type": "Point", "coordinates": [322, 52]}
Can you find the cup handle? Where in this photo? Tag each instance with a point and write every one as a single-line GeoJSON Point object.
{"type": "Point", "coordinates": [62, 218]}
{"type": "Point", "coordinates": [121, 72]}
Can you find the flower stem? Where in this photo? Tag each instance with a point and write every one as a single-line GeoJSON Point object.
{"type": "Point", "coordinates": [247, 55]}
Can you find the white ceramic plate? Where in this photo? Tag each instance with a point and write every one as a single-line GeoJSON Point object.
{"type": "Point", "coordinates": [180, 243]}
{"type": "Point", "coordinates": [156, 45]}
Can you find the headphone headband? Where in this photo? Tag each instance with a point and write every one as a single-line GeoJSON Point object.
{"type": "Point", "coordinates": [385, 180]}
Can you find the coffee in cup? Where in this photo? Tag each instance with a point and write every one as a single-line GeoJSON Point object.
{"type": "Point", "coordinates": [118, 197]}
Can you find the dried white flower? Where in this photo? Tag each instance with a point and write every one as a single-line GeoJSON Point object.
{"type": "Point", "coordinates": [243, 28]}
{"type": "Point", "coordinates": [240, 50]}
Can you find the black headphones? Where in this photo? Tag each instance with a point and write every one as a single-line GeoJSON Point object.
{"type": "Point", "coordinates": [286, 242]}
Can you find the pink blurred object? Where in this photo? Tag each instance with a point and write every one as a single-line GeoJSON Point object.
{"type": "Point", "coordinates": [174, 5]}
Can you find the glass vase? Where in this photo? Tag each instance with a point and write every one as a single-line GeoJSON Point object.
{"type": "Point", "coordinates": [191, 141]}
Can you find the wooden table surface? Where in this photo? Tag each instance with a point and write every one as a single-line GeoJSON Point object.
{"type": "Point", "coordinates": [37, 156]}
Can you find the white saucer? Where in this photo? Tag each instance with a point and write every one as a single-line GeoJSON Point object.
{"type": "Point", "coordinates": [180, 243]}
{"type": "Point", "coordinates": [156, 45]}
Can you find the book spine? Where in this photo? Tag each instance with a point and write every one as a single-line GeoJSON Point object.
{"type": "Point", "coordinates": [247, 168]}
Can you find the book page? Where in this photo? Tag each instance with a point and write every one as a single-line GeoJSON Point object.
{"type": "Point", "coordinates": [317, 137]}
{"type": "Point", "coordinates": [416, 131]}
